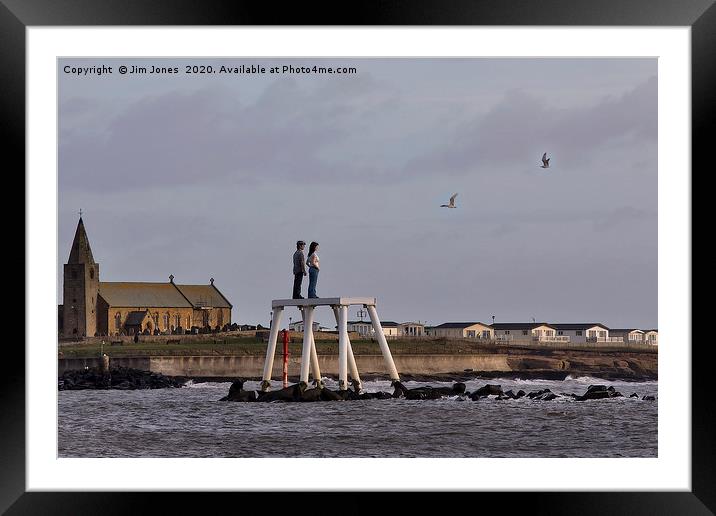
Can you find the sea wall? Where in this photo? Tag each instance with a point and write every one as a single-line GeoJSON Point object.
{"type": "Point", "coordinates": [643, 365]}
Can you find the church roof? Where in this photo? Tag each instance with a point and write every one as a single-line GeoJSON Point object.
{"type": "Point", "coordinates": [204, 295]}
{"type": "Point", "coordinates": [81, 251]}
{"type": "Point", "coordinates": [170, 295]}
{"type": "Point", "coordinates": [138, 294]}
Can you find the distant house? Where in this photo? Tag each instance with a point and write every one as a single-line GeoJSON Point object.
{"type": "Point", "coordinates": [365, 328]}
{"type": "Point", "coordinates": [390, 328]}
{"type": "Point", "coordinates": [652, 337]}
{"type": "Point", "coordinates": [362, 328]}
{"type": "Point", "coordinates": [524, 331]}
{"type": "Point", "coordinates": [462, 330]}
{"type": "Point", "coordinates": [584, 332]}
{"type": "Point", "coordinates": [411, 329]}
{"type": "Point", "coordinates": [298, 326]}
{"type": "Point", "coordinates": [628, 335]}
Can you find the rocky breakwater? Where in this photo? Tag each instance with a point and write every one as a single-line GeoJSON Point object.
{"type": "Point", "coordinates": [300, 392]}
{"type": "Point", "coordinates": [121, 378]}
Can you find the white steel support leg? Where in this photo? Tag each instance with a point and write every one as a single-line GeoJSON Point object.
{"type": "Point", "coordinates": [271, 349]}
{"type": "Point", "coordinates": [307, 340]}
{"type": "Point", "coordinates": [342, 347]}
{"type": "Point", "coordinates": [314, 362]}
{"type": "Point", "coordinates": [352, 366]}
{"type": "Point", "coordinates": [387, 357]}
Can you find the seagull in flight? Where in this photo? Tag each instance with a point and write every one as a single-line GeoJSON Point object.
{"type": "Point", "coordinates": [451, 204]}
{"type": "Point", "coordinates": [545, 161]}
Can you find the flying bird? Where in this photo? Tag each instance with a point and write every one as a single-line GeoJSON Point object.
{"type": "Point", "coordinates": [451, 204]}
{"type": "Point", "coordinates": [545, 161]}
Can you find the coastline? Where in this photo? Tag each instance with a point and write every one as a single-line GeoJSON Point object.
{"type": "Point", "coordinates": [523, 364]}
{"type": "Point", "coordinates": [447, 377]}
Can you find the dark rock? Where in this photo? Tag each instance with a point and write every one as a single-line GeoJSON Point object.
{"type": "Point", "coordinates": [290, 393]}
{"type": "Point", "coordinates": [237, 393]}
{"type": "Point", "coordinates": [599, 392]}
{"type": "Point", "coordinates": [634, 395]}
{"type": "Point", "coordinates": [487, 390]}
{"type": "Point", "coordinates": [594, 395]}
{"type": "Point", "coordinates": [535, 394]}
{"type": "Point", "coordinates": [649, 398]}
{"type": "Point", "coordinates": [596, 388]}
{"type": "Point", "coordinates": [122, 378]}
{"type": "Point", "coordinates": [312, 394]}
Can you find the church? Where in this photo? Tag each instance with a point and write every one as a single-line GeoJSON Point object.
{"type": "Point", "coordinates": [91, 307]}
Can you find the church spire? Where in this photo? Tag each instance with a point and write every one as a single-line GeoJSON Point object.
{"type": "Point", "coordinates": [81, 251]}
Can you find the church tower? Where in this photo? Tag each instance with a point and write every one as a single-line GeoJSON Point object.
{"type": "Point", "coordinates": [81, 286]}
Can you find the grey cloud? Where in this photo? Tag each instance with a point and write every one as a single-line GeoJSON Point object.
{"type": "Point", "coordinates": [521, 127]}
{"type": "Point", "coordinates": [189, 138]}
{"type": "Point", "coordinates": [622, 216]}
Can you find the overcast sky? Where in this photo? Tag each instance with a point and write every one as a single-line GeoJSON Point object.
{"type": "Point", "coordinates": [217, 175]}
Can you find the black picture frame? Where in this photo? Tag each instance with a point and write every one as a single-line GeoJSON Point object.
{"type": "Point", "coordinates": [17, 15]}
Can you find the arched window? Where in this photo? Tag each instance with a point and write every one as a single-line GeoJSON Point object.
{"type": "Point", "coordinates": [166, 321]}
{"type": "Point", "coordinates": [188, 321]}
{"type": "Point", "coordinates": [117, 321]}
{"type": "Point", "coordinates": [177, 320]}
{"type": "Point", "coordinates": [156, 319]}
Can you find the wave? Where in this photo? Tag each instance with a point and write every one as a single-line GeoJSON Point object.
{"type": "Point", "coordinates": [191, 384]}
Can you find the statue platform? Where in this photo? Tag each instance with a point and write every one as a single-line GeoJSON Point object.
{"type": "Point", "coordinates": [309, 358]}
{"type": "Point", "coordinates": [324, 301]}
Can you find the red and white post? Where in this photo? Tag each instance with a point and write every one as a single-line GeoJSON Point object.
{"type": "Point", "coordinates": [285, 358]}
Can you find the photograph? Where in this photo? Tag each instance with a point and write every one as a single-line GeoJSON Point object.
{"type": "Point", "coordinates": [410, 249]}
{"type": "Point", "coordinates": [448, 257]}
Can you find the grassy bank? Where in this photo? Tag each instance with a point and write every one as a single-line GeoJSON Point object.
{"type": "Point", "coordinates": [246, 345]}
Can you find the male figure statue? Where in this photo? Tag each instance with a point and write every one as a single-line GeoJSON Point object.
{"type": "Point", "coordinates": [299, 269]}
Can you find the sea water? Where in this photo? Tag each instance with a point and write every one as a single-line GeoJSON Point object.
{"type": "Point", "coordinates": [191, 422]}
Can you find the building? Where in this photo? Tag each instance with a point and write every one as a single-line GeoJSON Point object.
{"type": "Point", "coordinates": [411, 329]}
{"type": "Point", "coordinates": [298, 326]}
{"type": "Point", "coordinates": [525, 331]}
{"type": "Point", "coordinates": [628, 335]}
{"type": "Point", "coordinates": [365, 328]}
{"type": "Point", "coordinates": [362, 328]}
{"type": "Point", "coordinates": [92, 307]}
{"type": "Point", "coordinates": [390, 328]}
{"type": "Point", "coordinates": [652, 337]}
{"type": "Point", "coordinates": [585, 332]}
{"type": "Point", "coordinates": [462, 330]}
